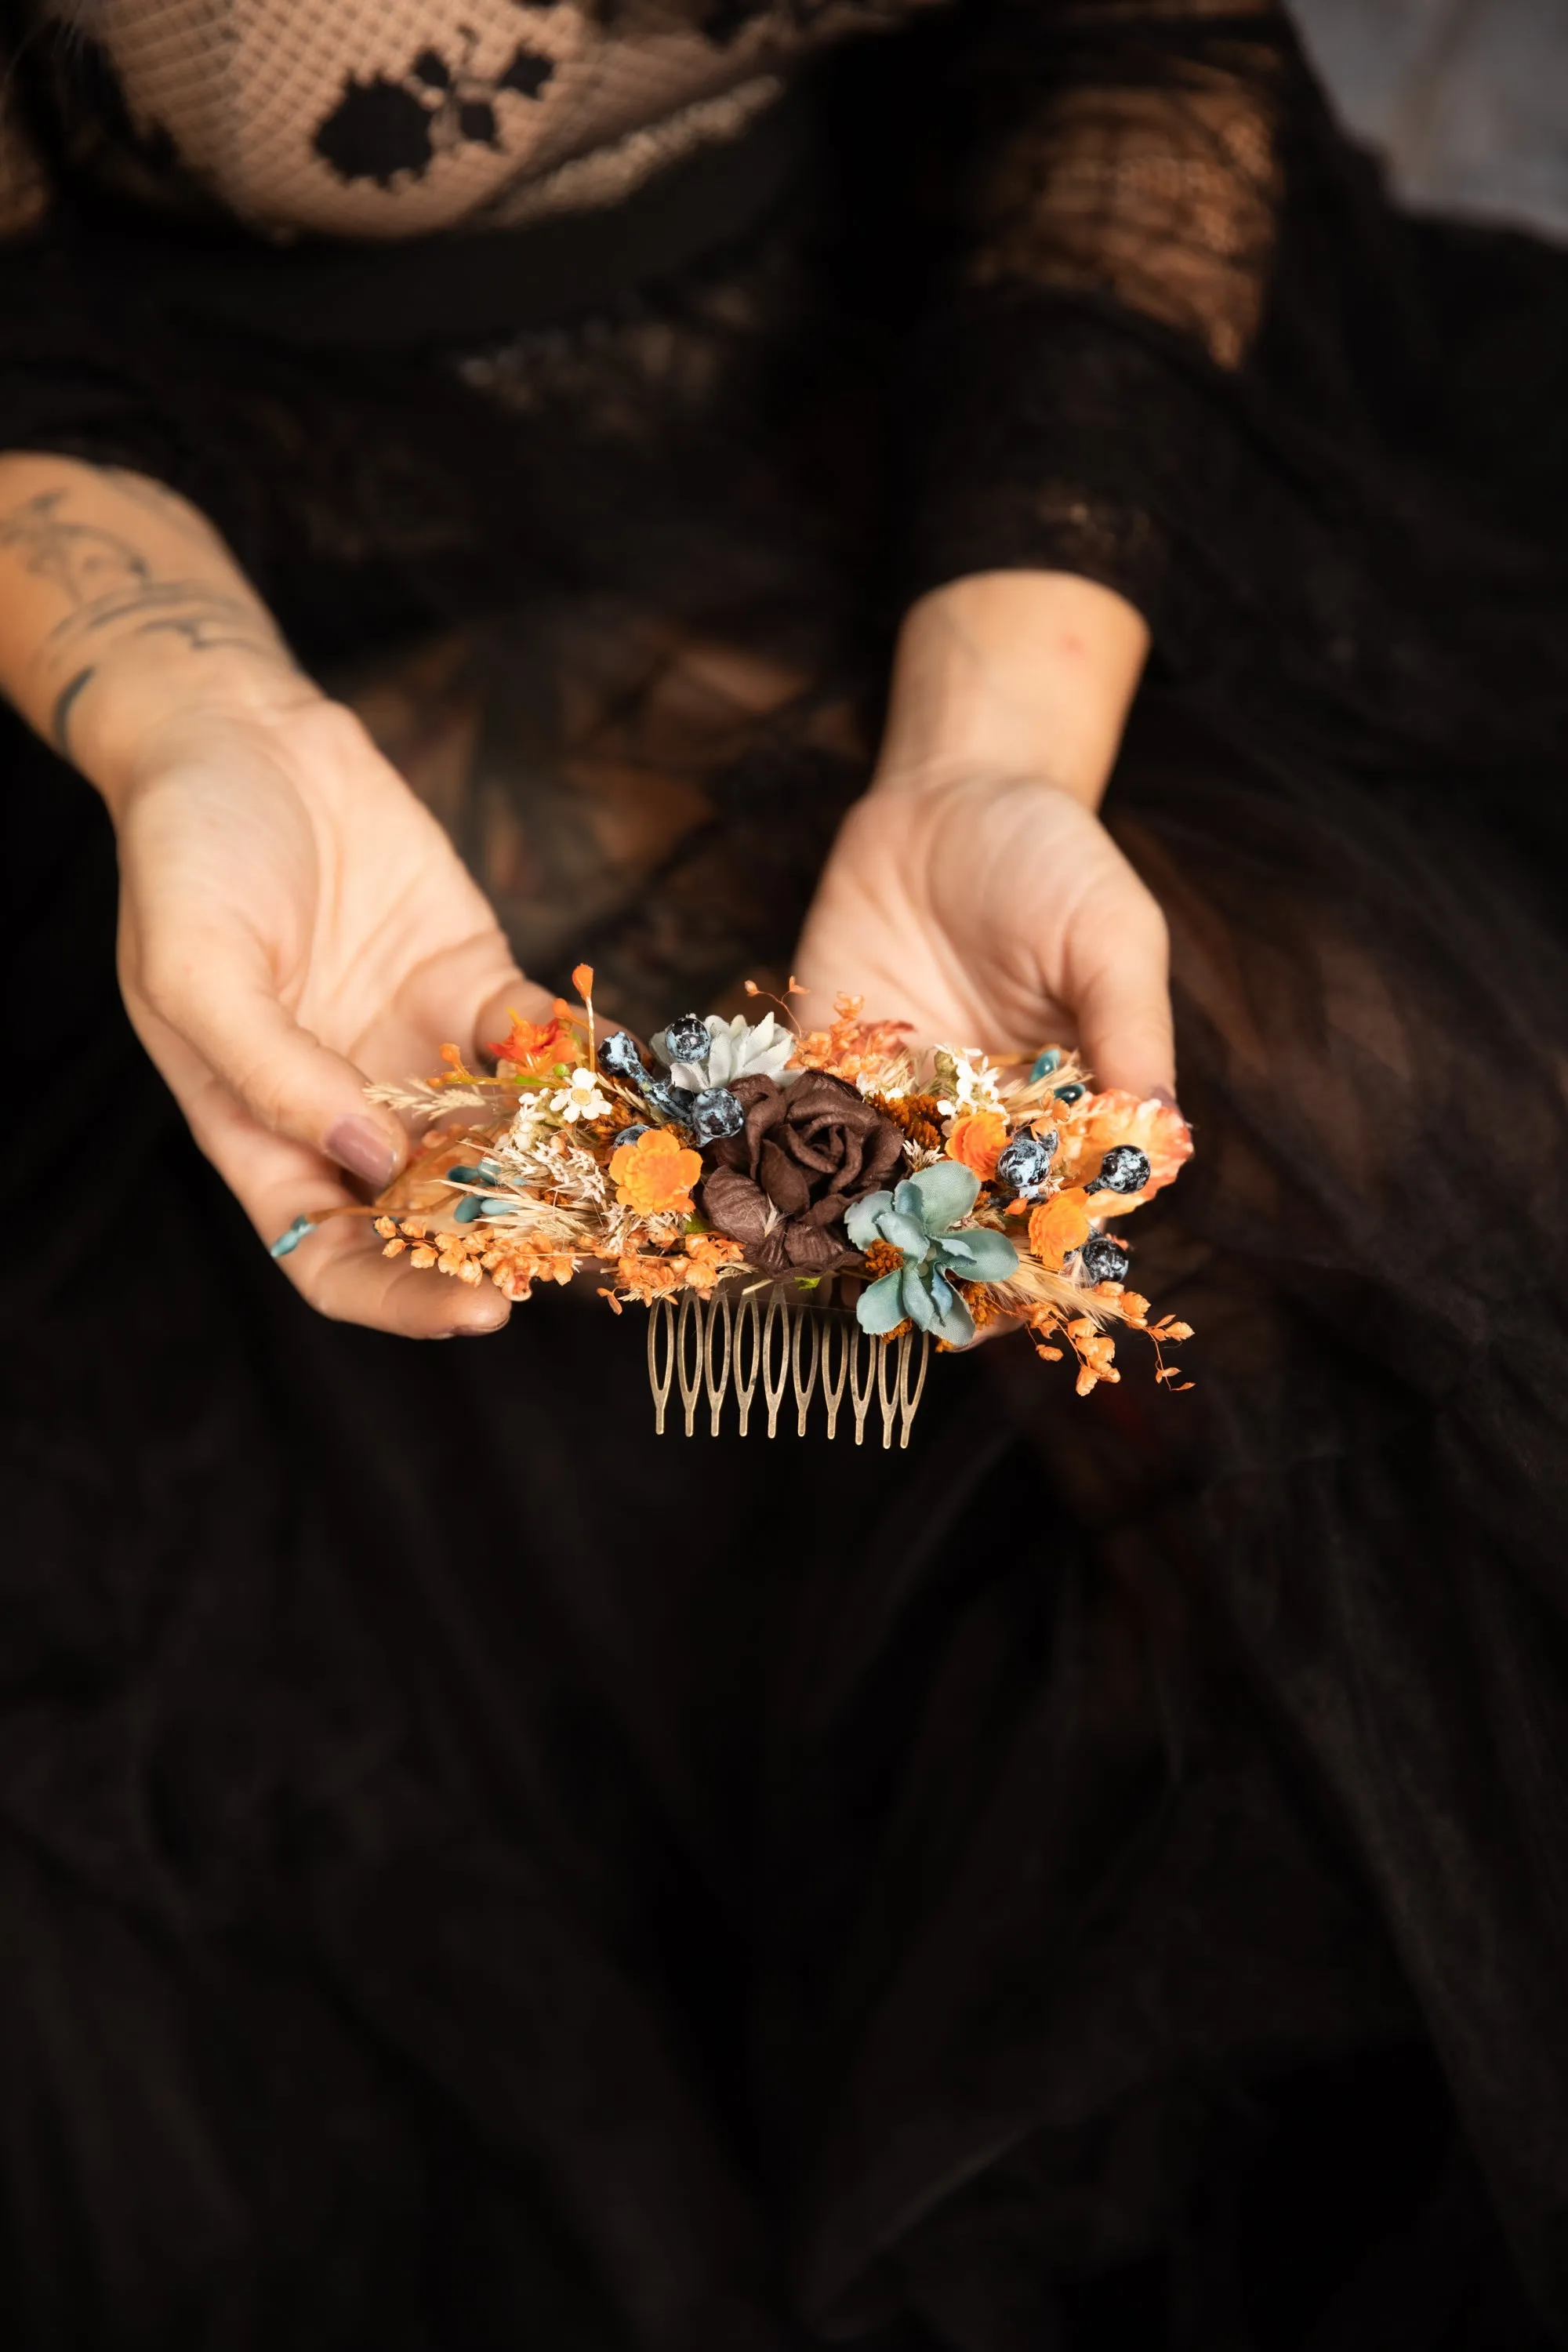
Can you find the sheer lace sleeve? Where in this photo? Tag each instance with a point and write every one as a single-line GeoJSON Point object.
{"type": "Point", "coordinates": [1121, 202]}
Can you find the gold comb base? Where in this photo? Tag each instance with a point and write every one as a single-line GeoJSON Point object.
{"type": "Point", "coordinates": [709, 1349]}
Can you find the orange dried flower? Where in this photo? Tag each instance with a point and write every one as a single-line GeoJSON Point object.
{"type": "Point", "coordinates": [1059, 1226]}
{"type": "Point", "coordinates": [707, 1255]}
{"type": "Point", "coordinates": [980, 1299]}
{"type": "Point", "coordinates": [533, 1047]}
{"type": "Point", "coordinates": [713, 1249]}
{"type": "Point", "coordinates": [605, 1131]}
{"type": "Point", "coordinates": [916, 1114]}
{"type": "Point", "coordinates": [583, 979]}
{"type": "Point", "coordinates": [514, 1265]}
{"type": "Point", "coordinates": [1150, 1126]}
{"type": "Point", "coordinates": [655, 1174]}
{"type": "Point", "coordinates": [646, 1276]}
{"type": "Point", "coordinates": [844, 1049]}
{"type": "Point", "coordinates": [977, 1137]}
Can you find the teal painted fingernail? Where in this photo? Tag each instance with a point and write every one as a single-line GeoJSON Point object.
{"type": "Point", "coordinates": [293, 1237]}
{"type": "Point", "coordinates": [1048, 1061]}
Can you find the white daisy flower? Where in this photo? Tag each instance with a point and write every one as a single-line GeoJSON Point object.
{"type": "Point", "coordinates": [582, 1098]}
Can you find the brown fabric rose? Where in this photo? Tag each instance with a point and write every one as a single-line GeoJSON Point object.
{"type": "Point", "coordinates": [807, 1151]}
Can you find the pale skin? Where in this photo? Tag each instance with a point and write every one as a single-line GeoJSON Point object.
{"type": "Point", "coordinates": [294, 922]}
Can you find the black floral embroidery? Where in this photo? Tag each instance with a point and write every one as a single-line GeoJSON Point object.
{"type": "Point", "coordinates": [386, 126]}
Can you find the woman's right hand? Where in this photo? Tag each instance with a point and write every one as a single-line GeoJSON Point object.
{"type": "Point", "coordinates": [292, 921]}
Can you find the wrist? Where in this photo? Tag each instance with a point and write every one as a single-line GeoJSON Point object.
{"type": "Point", "coordinates": [130, 715]}
{"type": "Point", "coordinates": [1020, 673]}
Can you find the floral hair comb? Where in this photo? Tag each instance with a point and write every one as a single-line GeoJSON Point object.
{"type": "Point", "coordinates": [800, 1215]}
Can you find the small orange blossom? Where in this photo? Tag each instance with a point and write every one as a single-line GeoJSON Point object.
{"type": "Point", "coordinates": [1059, 1225]}
{"type": "Point", "coordinates": [655, 1174]}
{"type": "Point", "coordinates": [976, 1137]}
{"type": "Point", "coordinates": [535, 1047]}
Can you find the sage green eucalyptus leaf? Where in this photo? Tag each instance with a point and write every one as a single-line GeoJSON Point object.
{"type": "Point", "coordinates": [880, 1307]}
{"type": "Point", "coordinates": [860, 1219]}
{"type": "Point", "coordinates": [978, 1254]}
{"type": "Point", "coordinates": [957, 1327]}
{"type": "Point", "coordinates": [918, 1303]}
{"type": "Point", "coordinates": [947, 1192]}
{"type": "Point", "coordinates": [905, 1233]}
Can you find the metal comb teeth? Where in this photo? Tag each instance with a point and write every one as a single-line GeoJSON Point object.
{"type": "Point", "coordinates": [764, 1340]}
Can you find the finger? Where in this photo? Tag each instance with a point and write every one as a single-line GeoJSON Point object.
{"type": "Point", "coordinates": [339, 1268]}
{"type": "Point", "coordinates": [218, 996]}
{"type": "Point", "coordinates": [1124, 1011]}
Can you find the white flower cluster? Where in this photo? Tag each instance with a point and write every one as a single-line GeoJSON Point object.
{"type": "Point", "coordinates": [971, 1086]}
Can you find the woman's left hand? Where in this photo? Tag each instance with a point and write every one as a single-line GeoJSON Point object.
{"type": "Point", "coordinates": [973, 891]}
{"type": "Point", "coordinates": [996, 911]}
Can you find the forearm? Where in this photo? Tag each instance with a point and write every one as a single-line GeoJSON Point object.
{"type": "Point", "coordinates": [1014, 673]}
{"type": "Point", "coordinates": [120, 609]}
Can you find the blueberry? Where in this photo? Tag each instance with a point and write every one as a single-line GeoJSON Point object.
{"type": "Point", "coordinates": [1069, 1094]}
{"type": "Point", "coordinates": [686, 1040]}
{"type": "Point", "coordinates": [631, 1134]}
{"type": "Point", "coordinates": [716, 1113]}
{"type": "Point", "coordinates": [1023, 1165]}
{"type": "Point", "coordinates": [1124, 1168]}
{"type": "Point", "coordinates": [619, 1058]}
{"type": "Point", "coordinates": [1104, 1260]}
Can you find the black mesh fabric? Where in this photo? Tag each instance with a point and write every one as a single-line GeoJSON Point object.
{"type": "Point", "coordinates": [474, 1875]}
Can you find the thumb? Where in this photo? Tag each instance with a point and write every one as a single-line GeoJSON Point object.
{"type": "Point", "coordinates": [283, 1075]}
{"type": "Point", "coordinates": [1123, 1013]}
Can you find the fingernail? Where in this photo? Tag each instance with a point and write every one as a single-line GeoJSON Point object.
{"type": "Point", "coordinates": [472, 1330]}
{"type": "Point", "coordinates": [362, 1150]}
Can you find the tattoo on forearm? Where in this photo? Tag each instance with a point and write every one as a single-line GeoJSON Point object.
{"type": "Point", "coordinates": [60, 714]}
{"type": "Point", "coordinates": [82, 558]}
{"type": "Point", "coordinates": [114, 592]}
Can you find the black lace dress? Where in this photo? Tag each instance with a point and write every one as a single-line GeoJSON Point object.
{"type": "Point", "coordinates": [1097, 1879]}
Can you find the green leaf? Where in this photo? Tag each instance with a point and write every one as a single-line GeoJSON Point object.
{"type": "Point", "coordinates": [860, 1222]}
{"type": "Point", "coordinates": [905, 1233]}
{"type": "Point", "coordinates": [880, 1308]}
{"type": "Point", "coordinates": [947, 1192]}
{"type": "Point", "coordinates": [957, 1327]}
{"type": "Point", "coordinates": [978, 1255]}
{"type": "Point", "coordinates": [918, 1302]}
